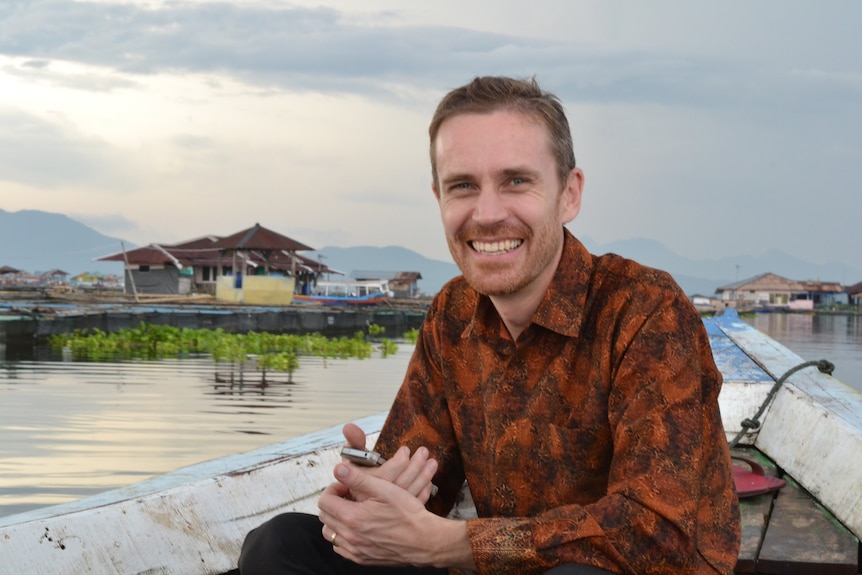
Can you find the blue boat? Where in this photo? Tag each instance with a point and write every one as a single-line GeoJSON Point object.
{"type": "Point", "coordinates": [359, 292]}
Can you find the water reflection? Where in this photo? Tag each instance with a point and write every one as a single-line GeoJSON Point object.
{"type": "Point", "coordinates": [837, 338]}
{"type": "Point", "coordinates": [70, 429]}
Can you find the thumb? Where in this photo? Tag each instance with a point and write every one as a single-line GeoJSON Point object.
{"type": "Point", "coordinates": [354, 435]}
{"type": "Point", "coordinates": [354, 478]}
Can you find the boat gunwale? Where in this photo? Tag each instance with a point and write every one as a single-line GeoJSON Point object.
{"type": "Point", "coordinates": [812, 427]}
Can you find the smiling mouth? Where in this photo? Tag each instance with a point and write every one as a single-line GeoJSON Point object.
{"type": "Point", "coordinates": [494, 248]}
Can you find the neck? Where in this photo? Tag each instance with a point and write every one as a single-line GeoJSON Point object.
{"type": "Point", "coordinates": [517, 309]}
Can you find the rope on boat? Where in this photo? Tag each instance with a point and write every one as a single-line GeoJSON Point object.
{"type": "Point", "coordinates": [749, 425]}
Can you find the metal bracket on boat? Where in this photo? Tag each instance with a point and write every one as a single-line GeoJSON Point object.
{"type": "Point", "coordinates": [748, 425]}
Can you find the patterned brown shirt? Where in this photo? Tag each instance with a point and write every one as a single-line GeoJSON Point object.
{"type": "Point", "coordinates": [595, 438]}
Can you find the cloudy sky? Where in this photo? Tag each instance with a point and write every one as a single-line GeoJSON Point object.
{"type": "Point", "coordinates": [717, 128]}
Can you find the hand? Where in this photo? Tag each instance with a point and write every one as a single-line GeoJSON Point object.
{"type": "Point", "coordinates": [412, 473]}
{"type": "Point", "coordinates": [386, 524]}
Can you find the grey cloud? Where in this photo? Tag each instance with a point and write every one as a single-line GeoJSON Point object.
{"type": "Point", "coordinates": [317, 49]}
{"type": "Point", "coordinates": [41, 72]}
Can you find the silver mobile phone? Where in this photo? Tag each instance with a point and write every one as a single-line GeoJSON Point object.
{"type": "Point", "coordinates": [362, 456]}
{"type": "Point", "coordinates": [369, 459]}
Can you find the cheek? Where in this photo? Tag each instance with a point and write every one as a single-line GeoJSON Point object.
{"type": "Point", "coordinates": [452, 214]}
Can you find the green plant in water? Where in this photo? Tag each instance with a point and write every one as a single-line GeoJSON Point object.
{"type": "Point", "coordinates": [388, 347]}
{"type": "Point", "coordinates": [276, 352]}
{"type": "Point", "coordinates": [376, 330]}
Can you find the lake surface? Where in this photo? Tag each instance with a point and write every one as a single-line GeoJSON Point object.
{"type": "Point", "coordinates": [837, 338]}
{"type": "Point", "coordinates": [71, 429]}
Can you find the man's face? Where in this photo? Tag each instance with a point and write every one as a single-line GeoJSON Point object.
{"type": "Point", "coordinates": [501, 201]}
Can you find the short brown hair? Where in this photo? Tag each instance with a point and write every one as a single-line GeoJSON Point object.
{"type": "Point", "coordinates": [492, 93]}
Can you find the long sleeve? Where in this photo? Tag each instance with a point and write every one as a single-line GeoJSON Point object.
{"type": "Point", "coordinates": [666, 471]}
{"type": "Point", "coordinates": [595, 438]}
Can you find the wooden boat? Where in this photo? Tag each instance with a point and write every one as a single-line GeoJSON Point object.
{"type": "Point", "coordinates": [193, 521]}
{"type": "Point", "coordinates": [359, 292]}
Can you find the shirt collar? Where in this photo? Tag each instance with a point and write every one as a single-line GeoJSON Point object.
{"type": "Point", "coordinates": [562, 308]}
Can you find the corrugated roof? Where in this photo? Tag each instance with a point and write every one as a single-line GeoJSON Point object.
{"type": "Point", "coordinates": [260, 238]}
{"type": "Point", "coordinates": [160, 254]}
{"type": "Point", "coordinates": [197, 243]}
{"type": "Point", "coordinates": [282, 261]}
{"type": "Point", "coordinates": [155, 254]}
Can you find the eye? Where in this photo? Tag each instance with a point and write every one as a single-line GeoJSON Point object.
{"type": "Point", "coordinates": [518, 181]}
{"type": "Point", "coordinates": [459, 187]}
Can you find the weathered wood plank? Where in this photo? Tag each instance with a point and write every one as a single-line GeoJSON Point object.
{"type": "Point", "coordinates": [754, 512]}
{"type": "Point", "coordinates": [803, 539]}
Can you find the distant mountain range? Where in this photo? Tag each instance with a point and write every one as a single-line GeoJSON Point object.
{"type": "Point", "coordinates": [37, 241]}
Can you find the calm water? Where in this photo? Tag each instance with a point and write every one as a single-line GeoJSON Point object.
{"type": "Point", "coordinates": [68, 430]}
{"type": "Point", "coordinates": [837, 338]}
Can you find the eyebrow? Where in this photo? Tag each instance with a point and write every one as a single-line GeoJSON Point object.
{"type": "Point", "coordinates": [523, 172]}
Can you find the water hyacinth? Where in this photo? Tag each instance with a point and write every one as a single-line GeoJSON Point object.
{"type": "Point", "coordinates": [270, 351]}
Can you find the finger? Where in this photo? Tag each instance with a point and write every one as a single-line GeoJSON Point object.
{"type": "Point", "coordinates": [408, 473]}
{"type": "Point", "coordinates": [361, 481]}
{"type": "Point", "coordinates": [329, 534]}
{"type": "Point", "coordinates": [418, 472]}
{"type": "Point", "coordinates": [421, 486]}
{"type": "Point", "coordinates": [339, 542]}
{"type": "Point", "coordinates": [336, 489]}
{"type": "Point", "coordinates": [354, 435]}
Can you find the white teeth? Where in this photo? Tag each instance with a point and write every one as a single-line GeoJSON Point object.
{"type": "Point", "coordinates": [496, 247]}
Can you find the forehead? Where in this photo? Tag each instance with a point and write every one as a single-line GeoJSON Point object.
{"type": "Point", "coordinates": [501, 136]}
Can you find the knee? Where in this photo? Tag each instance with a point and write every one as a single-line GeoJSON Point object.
{"type": "Point", "coordinates": [277, 541]}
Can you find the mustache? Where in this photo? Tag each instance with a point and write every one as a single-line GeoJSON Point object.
{"type": "Point", "coordinates": [473, 231]}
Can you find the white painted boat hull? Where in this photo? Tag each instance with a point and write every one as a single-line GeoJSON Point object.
{"type": "Point", "coordinates": [193, 521]}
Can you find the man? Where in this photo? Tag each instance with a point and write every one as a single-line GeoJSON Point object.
{"type": "Point", "coordinates": [576, 394]}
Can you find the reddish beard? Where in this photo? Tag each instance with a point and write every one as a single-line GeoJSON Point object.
{"type": "Point", "coordinates": [540, 248]}
{"type": "Point", "coordinates": [486, 277]}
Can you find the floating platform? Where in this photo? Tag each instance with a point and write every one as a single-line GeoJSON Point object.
{"type": "Point", "coordinates": [26, 323]}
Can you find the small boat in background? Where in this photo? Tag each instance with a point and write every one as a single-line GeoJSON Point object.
{"type": "Point", "coordinates": [358, 292]}
{"type": "Point", "coordinates": [780, 411]}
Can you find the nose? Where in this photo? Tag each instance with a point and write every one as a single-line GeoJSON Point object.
{"type": "Point", "coordinates": [489, 207]}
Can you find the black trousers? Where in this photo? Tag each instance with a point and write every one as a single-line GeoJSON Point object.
{"type": "Point", "coordinates": [292, 544]}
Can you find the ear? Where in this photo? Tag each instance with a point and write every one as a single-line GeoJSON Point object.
{"type": "Point", "coordinates": [570, 202]}
{"type": "Point", "coordinates": [436, 191]}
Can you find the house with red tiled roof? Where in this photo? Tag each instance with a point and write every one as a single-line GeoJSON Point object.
{"type": "Point", "coordinates": [194, 266]}
{"type": "Point", "coordinates": [11, 277]}
{"type": "Point", "coordinates": [771, 291]}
